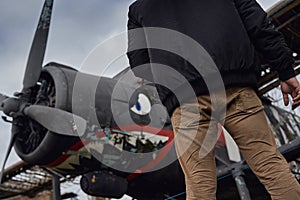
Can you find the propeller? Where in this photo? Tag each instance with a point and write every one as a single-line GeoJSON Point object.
{"type": "Point", "coordinates": [11, 144]}
{"type": "Point", "coordinates": [57, 120]}
{"type": "Point", "coordinates": [53, 119]}
{"type": "Point", "coordinates": [38, 47]}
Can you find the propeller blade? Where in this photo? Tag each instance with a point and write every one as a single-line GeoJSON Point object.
{"type": "Point", "coordinates": [10, 146]}
{"type": "Point", "coordinates": [57, 120]}
{"type": "Point", "coordinates": [38, 47]}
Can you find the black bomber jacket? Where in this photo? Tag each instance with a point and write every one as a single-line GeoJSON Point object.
{"type": "Point", "coordinates": [233, 32]}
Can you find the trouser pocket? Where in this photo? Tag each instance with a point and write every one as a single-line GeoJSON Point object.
{"type": "Point", "coordinates": [247, 101]}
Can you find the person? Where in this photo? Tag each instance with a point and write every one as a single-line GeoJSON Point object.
{"type": "Point", "coordinates": [234, 33]}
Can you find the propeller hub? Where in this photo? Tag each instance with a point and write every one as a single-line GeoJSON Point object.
{"type": "Point", "coordinates": [11, 105]}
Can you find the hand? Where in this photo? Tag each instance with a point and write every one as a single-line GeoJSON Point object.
{"type": "Point", "coordinates": [291, 87]}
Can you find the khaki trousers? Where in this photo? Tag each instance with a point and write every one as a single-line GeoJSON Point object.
{"type": "Point", "coordinates": [196, 133]}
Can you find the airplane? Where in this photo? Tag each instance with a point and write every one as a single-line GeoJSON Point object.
{"type": "Point", "coordinates": [133, 154]}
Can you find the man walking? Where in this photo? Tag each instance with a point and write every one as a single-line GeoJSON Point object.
{"type": "Point", "coordinates": [233, 32]}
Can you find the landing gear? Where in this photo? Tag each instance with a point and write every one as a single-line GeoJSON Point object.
{"type": "Point", "coordinates": [56, 187]}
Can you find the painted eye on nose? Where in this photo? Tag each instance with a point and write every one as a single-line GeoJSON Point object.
{"type": "Point", "coordinates": [142, 106]}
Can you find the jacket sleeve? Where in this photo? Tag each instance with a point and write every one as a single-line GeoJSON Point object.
{"type": "Point", "coordinates": [137, 51]}
{"type": "Point", "coordinates": [267, 41]}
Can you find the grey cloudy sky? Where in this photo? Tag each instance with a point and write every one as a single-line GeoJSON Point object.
{"type": "Point", "coordinates": [77, 27]}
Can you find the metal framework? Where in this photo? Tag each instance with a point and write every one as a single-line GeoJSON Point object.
{"type": "Point", "coordinates": [285, 15]}
{"type": "Point", "coordinates": [24, 179]}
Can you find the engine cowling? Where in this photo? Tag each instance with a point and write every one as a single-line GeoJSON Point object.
{"type": "Point", "coordinates": [37, 145]}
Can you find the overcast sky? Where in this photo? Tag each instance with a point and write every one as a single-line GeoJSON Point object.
{"type": "Point", "coordinates": [77, 27]}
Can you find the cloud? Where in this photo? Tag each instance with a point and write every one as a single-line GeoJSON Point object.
{"type": "Point", "coordinates": [86, 24]}
{"type": "Point", "coordinates": [267, 3]}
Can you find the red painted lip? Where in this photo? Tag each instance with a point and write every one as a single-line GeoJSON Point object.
{"type": "Point", "coordinates": [128, 128]}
